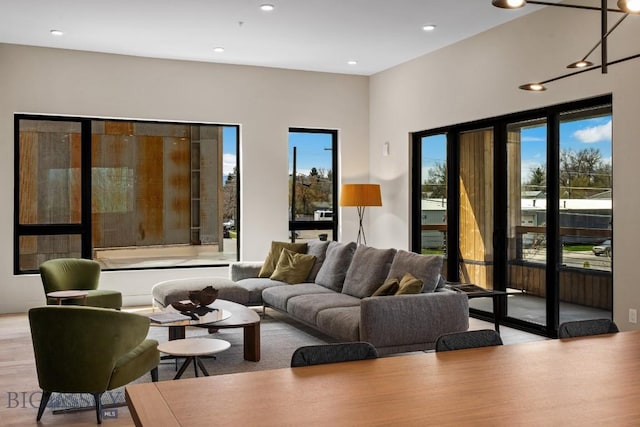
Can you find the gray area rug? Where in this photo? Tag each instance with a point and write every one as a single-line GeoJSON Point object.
{"type": "Point", "coordinates": [280, 336]}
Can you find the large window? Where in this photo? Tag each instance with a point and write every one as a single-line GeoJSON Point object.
{"type": "Point", "coordinates": [312, 184]}
{"type": "Point", "coordinates": [530, 212]}
{"type": "Point", "coordinates": [129, 194]}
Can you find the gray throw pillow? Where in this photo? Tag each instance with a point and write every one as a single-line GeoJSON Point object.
{"type": "Point", "coordinates": [424, 267]}
{"type": "Point", "coordinates": [335, 265]}
{"type": "Point", "coordinates": [368, 270]}
{"type": "Point", "coordinates": [318, 249]}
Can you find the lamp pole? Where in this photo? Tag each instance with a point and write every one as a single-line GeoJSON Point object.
{"type": "Point", "coordinates": [361, 228]}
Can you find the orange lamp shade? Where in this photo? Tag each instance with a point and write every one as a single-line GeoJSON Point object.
{"type": "Point", "coordinates": [360, 195]}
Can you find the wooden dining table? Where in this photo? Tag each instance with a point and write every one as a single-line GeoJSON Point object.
{"type": "Point", "coordinates": [572, 382]}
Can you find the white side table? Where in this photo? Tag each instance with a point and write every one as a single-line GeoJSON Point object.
{"type": "Point", "coordinates": [192, 349]}
{"type": "Point", "coordinates": [71, 294]}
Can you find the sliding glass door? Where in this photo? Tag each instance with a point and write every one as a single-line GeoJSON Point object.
{"type": "Point", "coordinates": [585, 187]}
{"type": "Point", "coordinates": [527, 220]}
{"type": "Point", "coordinates": [531, 213]}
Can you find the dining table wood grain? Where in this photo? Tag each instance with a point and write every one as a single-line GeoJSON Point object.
{"type": "Point", "coordinates": [579, 381]}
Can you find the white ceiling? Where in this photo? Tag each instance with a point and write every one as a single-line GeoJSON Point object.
{"type": "Point", "coordinates": [318, 35]}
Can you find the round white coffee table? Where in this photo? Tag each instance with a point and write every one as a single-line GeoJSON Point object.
{"type": "Point", "coordinates": [192, 349]}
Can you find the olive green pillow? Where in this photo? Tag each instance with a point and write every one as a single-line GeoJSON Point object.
{"type": "Point", "coordinates": [389, 287]}
{"type": "Point", "coordinates": [409, 284]}
{"type": "Point", "coordinates": [270, 262]}
{"type": "Point", "coordinates": [293, 267]}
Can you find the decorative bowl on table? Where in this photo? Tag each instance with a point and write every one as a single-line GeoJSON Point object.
{"type": "Point", "coordinates": [198, 302]}
{"type": "Point", "coordinates": [204, 297]}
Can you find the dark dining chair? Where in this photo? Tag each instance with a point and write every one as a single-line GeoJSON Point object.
{"type": "Point", "coordinates": [468, 339]}
{"type": "Point", "coordinates": [583, 328]}
{"type": "Point", "coordinates": [332, 353]}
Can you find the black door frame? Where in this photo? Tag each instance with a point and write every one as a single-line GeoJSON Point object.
{"type": "Point", "coordinates": [554, 252]}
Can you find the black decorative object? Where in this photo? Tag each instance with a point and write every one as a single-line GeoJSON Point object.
{"type": "Point", "coordinates": [204, 297]}
{"type": "Point", "coordinates": [198, 304]}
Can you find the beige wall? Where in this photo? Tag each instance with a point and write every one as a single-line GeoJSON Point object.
{"type": "Point", "coordinates": [265, 102]}
{"type": "Point", "coordinates": [478, 78]}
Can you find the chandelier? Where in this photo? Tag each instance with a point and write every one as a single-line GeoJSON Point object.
{"type": "Point", "coordinates": [625, 7]}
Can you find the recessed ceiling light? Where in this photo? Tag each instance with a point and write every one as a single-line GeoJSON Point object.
{"type": "Point", "coordinates": [429, 27]}
{"type": "Point", "coordinates": [267, 7]}
{"type": "Point", "coordinates": [352, 62]}
{"type": "Point", "coordinates": [218, 49]}
{"type": "Point", "coordinates": [56, 32]}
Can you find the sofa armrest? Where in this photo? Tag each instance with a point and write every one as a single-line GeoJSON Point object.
{"type": "Point", "coordinates": [412, 319]}
{"type": "Point", "coordinates": [244, 270]}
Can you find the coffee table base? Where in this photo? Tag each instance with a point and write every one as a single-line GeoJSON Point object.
{"type": "Point", "coordinates": [196, 363]}
{"type": "Point", "coordinates": [241, 317]}
{"type": "Point", "coordinates": [251, 335]}
{"type": "Point", "coordinates": [192, 350]}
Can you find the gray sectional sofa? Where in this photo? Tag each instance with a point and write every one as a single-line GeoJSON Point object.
{"type": "Point", "coordinates": [336, 297]}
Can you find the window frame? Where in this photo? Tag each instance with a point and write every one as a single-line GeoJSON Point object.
{"type": "Point", "coordinates": [84, 228]}
{"type": "Point", "coordinates": [324, 224]}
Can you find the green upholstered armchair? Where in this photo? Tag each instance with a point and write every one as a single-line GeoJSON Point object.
{"type": "Point", "coordinates": [89, 350]}
{"type": "Point", "coordinates": [65, 274]}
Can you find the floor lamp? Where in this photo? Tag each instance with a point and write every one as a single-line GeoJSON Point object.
{"type": "Point", "coordinates": [360, 196]}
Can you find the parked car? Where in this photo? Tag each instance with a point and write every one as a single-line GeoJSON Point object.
{"type": "Point", "coordinates": [603, 248]}
{"type": "Point", "coordinates": [227, 226]}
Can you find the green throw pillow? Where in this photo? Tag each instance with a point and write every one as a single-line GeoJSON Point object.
{"type": "Point", "coordinates": [409, 284]}
{"type": "Point", "coordinates": [270, 262]}
{"type": "Point", "coordinates": [293, 267]}
{"type": "Point", "coordinates": [389, 287]}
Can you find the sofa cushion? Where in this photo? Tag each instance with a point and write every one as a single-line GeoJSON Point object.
{"type": "Point", "coordinates": [389, 287]}
{"type": "Point", "coordinates": [424, 267]}
{"type": "Point", "coordinates": [342, 323]}
{"type": "Point", "coordinates": [274, 255]}
{"type": "Point", "coordinates": [368, 270]}
{"type": "Point", "coordinates": [277, 296]}
{"type": "Point", "coordinates": [409, 284]}
{"type": "Point", "coordinates": [318, 249]}
{"type": "Point", "coordinates": [292, 267]}
{"type": "Point", "coordinates": [336, 263]}
{"type": "Point", "coordinates": [174, 290]}
{"type": "Point", "coordinates": [255, 286]}
{"type": "Point", "coordinates": [306, 307]}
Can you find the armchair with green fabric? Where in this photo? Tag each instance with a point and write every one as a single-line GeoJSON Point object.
{"type": "Point", "coordinates": [63, 274]}
{"type": "Point", "coordinates": [89, 350]}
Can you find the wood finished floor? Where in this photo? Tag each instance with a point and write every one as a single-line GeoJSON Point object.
{"type": "Point", "coordinates": [19, 389]}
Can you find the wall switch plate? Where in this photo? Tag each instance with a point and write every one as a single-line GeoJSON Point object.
{"type": "Point", "coordinates": [633, 315]}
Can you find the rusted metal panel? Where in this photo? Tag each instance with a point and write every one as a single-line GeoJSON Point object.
{"type": "Point", "coordinates": [210, 185]}
{"type": "Point", "coordinates": [177, 190]}
{"type": "Point", "coordinates": [149, 200]}
{"type": "Point", "coordinates": [114, 220]}
{"type": "Point", "coordinates": [118, 128]}
{"type": "Point", "coordinates": [75, 184]}
{"type": "Point", "coordinates": [28, 210]}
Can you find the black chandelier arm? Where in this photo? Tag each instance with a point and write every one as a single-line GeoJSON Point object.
{"type": "Point", "coordinates": [617, 61]}
{"type": "Point", "coordinates": [574, 6]}
{"type": "Point", "coordinates": [605, 36]}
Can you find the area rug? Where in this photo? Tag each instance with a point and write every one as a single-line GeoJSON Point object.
{"type": "Point", "coordinates": [279, 337]}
